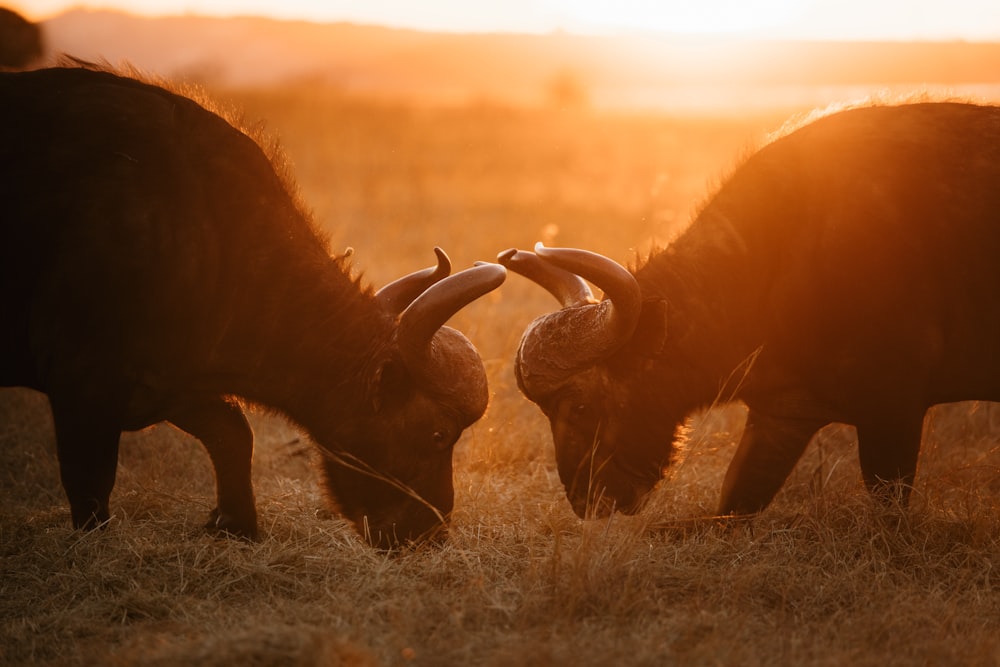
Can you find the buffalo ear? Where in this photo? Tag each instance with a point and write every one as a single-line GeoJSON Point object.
{"type": "Point", "coordinates": [650, 335]}
{"type": "Point", "coordinates": [392, 384]}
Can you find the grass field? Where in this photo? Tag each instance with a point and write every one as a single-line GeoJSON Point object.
{"type": "Point", "coordinates": [821, 578]}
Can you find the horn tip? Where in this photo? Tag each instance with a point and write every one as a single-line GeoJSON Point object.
{"type": "Point", "coordinates": [507, 256]}
{"type": "Point", "coordinates": [495, 273]}
{"type": "Point", "coordinates": [443, 260]}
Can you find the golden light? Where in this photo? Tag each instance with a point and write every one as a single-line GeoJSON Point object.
{"type": "Point", "coordinates": [977, 20]}
{"type": "Point", "coordinates": [703, 16]}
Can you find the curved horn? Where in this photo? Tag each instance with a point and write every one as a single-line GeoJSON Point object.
{"type": "Point", "coordinates": [619, 286]}
{"type": "Point", "coordinates": [400, 293]}
{"type": "Point", "coordinates": [567, 287]}
{"type": "Point", "coordinates": [429, 311]}
{"type": "Point", "coordinates": [560, 344]}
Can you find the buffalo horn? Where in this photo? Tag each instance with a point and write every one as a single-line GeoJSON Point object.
{"type": "Point", "coordinates": [619, 286]}
{"type": "Point", "coordinates": [559, 344]}
{"type": "Point", "coordinates": [423, 318]}
{"type": "Point", "coordinates": [567, 287]}
{"type": "Point", "coordinates": [400, 293]}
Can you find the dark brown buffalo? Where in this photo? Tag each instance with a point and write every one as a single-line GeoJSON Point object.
{"type": "Point", "coordinates": [155, 267]}
{"type": "Point", "coordinates": [847, 272]}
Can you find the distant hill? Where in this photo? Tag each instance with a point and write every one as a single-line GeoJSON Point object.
{"type": "Point", "coordinates": [525, 69]}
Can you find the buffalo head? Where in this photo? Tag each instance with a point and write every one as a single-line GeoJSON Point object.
{"type": "Point", "coordinates": [584, 366]}
{"type": "Point", "coordinates": [389, 466]}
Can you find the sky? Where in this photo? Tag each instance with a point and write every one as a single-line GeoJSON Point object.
{"type": "Point", "coordinates": [972, 20]}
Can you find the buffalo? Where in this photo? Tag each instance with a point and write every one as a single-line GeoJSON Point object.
{"type": "Point", "coordinates": [848, 271]}
{"type": "Point", "coordinates": [21, 41]}
{"type": "Point", "coordinates": [156, 266]}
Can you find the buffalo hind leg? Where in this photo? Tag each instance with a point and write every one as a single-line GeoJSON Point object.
{"type": "Point", "coordinates": [888, 447]}
{"type": "Point", "coordinates": [222, 428]}
{"type": "Point", "coordinates": [87, 446]}
{"type": "Point", "coordinates": [768, 450]}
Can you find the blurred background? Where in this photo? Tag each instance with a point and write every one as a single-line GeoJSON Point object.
{"type": "Point", "coordinates": [631, 54]}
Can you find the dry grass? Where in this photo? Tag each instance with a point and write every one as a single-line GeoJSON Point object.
{"type": "Point", "coordinates": [821, 578]}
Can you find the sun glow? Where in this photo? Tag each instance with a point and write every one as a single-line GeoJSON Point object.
{"type": "Point", "coordinates": [704, 16]}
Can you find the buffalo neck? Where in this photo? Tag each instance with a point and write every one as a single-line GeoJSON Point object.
{"type": "Point", "coordinates": [705, 278]}
{"type": "Point", "coordinates": [301, 335]}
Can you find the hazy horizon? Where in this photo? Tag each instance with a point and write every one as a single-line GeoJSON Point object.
{"type": "Point", "coordinates": [809, 20]}
{"type": "Point", "coordinates": [691, 73]}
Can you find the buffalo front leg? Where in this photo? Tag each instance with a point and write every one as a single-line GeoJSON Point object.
{"type": "Point", "coordinates": [888, 447]}
{"type": "Point", "coordinates": [223, 430]}
{"type": "Point", "coordinates": [767, 452]}
{"type": "Point", "coordinates": [87, 446]}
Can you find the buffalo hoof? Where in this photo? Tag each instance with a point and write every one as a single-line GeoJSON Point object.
{"type": "Point", "coordinates": [89, 519]}
{"type": "Point", "coordinates": [231, 526]}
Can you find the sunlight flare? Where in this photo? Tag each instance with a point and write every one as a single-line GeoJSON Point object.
{"type": "Point", "coordinates": [707, 16]}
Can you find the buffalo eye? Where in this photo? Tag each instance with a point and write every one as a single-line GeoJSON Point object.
{"type": "Point", "coordinates": [584, 414]}
{"type": "Point", "coordinates": [440, 440]}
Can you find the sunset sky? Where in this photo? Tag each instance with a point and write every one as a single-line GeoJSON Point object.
{"type": "Point", "coordinates": [974, 20]}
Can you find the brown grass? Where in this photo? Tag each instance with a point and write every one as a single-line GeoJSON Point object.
{"type": "Point", "coordinates": [821, 578]}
